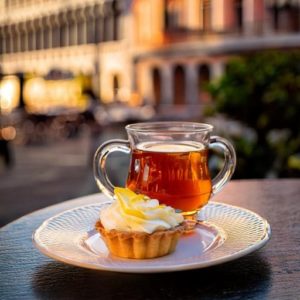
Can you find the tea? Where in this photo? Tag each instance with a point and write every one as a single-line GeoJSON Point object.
{"type": "Point", "coordinates": [175, 173]}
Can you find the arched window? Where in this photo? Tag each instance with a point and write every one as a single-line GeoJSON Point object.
{"type": "Point", "coordinates": [46, 33]}
{"type": "Point", "coordinates": [275, 16]}
{"type": "Point", "coordinates": [15, 38]}
{"type": "Point", "coordinates": [179, 85]}
{"type": "Point", "coordinates": [55, 31]}
{"type": "Point", "coordinates": [156, 81]}
{"type": "Point", "coordinates": [7, 30]}
{"type": "Point", "coordinates": [64, 30]}
{"type": "Point", "coordinates": [39, 35]}
{"type": "Point", "coordinates": [116, 86]}
{"type": "Point", "coordinates": [204, 74]}
{"type": "Point", "coordinates": [2, 40]}
{"type": "Point", "coordinates": [108, 21]}
{"type": "Point", "coordinates": [81, 27]}
{"type": "Point", "coordinates": [116, 83]}
{"type": "Point", "coordinates": [203, 80]}
{"type": "Point", "coordinates": [31, 35]}
{"type": "Point", "coordinates": [23, 37]}
{"type": "Point", "coordinates": [72, 28]}
{"type": "Point", "coordinates": [117, 13]}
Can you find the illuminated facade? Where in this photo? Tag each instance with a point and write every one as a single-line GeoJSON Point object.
{"type": "Point", "coordinates": [163, 50]}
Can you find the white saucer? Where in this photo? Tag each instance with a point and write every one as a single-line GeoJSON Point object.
{"type": "Point", "coordinates": [224, 233]}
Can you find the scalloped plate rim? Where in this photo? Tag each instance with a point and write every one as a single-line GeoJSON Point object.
{"type": "Point", "coordinates": [155, 269]}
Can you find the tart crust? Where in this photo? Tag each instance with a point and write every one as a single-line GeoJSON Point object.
{"type": "Point", "coordinates": [140, 245]}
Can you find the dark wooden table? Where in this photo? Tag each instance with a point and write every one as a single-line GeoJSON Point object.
{"type": "Point", "coordinates": [270, 273]}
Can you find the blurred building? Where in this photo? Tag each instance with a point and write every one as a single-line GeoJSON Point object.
{"type": "Point", "coordinates": [161, 52]}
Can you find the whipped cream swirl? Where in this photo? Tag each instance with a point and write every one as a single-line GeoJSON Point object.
{"type": "Point", "coordinates": [132, 212]}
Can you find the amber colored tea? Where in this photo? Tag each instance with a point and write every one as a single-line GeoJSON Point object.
{"type": "Point", "coordinates": [174, 173]}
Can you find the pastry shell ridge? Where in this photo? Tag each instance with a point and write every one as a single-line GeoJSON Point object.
{"type": "Point", "coordinates": [140, 245]}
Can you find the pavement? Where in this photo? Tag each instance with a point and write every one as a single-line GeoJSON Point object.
{"type": "Point", "coordinates": [47, 174]}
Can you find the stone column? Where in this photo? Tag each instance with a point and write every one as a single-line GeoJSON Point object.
{"type": "Point", "coordinates": [229, 15]}
{"type": "Point", "coordinates": [191, 92]}
{"type": "Point", "coordinates": [147, 84]}
{"type": "Point", "coordinates": [217, 70]}
{"type": "Point", "coordinates": [259, 15]}
{"type": "Point", "coordinates": [167, 84]}
{"type": "Point", "coordinates": [6, 39]}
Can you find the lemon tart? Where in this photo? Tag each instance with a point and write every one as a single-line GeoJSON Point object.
{"type": "Point", "coordinates": [135, 226]}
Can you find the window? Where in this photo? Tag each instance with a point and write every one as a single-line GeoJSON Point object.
{"type": "Point", "coordinates": [46, 34]}
{"type": "Point", "coordinates": [31, 36]}
{"type": "Point", "coordinates": [72, 32]}
{"type": "Point", "coordinates": [2, 40]}
{"type": "Point", "coordinates": [179, 85]}
{"type": "Point", "coordinates": [239, 14]}
{"type": "Point", "coordinates": [64, 34]}
{"type": "Point", "coordinates": [203, 80]}
{"type": "Point", "coordinates": [23, 37]}
{"type": "Point", "coordinates": [206, 13]}
{"type": "Point", "coordinates": [81, 28]}
{"type": "Point", "coordinates": [90, 30]}
{"type": "Point", "coordinates": [156, 81]}
{"type": "Point", "coordinates": [15, 38]}
{"type": "Point", "coordinates": [174, 18]}
{"type": "Point", "coordinates": [39, 35]}
{"type": "Point", "coordinates": [7, 30]}
{"type": "Point", "coordinates": [108, 22]}
{"type": "Point", "coordinates": [55, 34]}
{"type": "Point", "coordinates": [116, 87]}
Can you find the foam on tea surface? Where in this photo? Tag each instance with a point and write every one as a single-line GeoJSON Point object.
{"type": "Point", "coordinates": [169, 147]}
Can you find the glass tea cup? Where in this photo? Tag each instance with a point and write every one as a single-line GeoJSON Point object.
{"type": "Point", "coordinates": [169, 162]}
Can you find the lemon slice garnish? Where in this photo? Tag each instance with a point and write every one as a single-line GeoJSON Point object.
{"type": "Point", "coordinates": [126, 198]}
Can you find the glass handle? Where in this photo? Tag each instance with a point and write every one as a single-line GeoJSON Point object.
{"type": "Point", "coordinates": [100, 157]}
{"type": "Point", "coordinates": [226, 172]}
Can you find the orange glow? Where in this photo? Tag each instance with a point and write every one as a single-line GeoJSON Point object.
{"type": "Point", "coordinates": [135, 99]}
{"type": "Point", "coordinates": [9, 94]}
{"type": "Point", "coordinates": [8, 133]}
{"type": "Point", "coordinates": [42, 96]}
